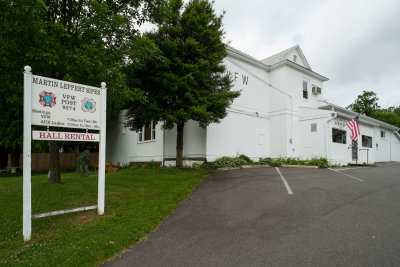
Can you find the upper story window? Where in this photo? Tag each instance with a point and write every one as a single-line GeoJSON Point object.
{"type": "Point", "coordinates": [305, 92]}
{"type": "Point", "coordinates": [313, 127]}
{"type": "Point", "coordinates": [366, 141]}
{"type": "Point", "coordinates": [382, 134]}
{"type": "Point", "coordinates": [338, 136]}
{"type": "Point", "coordinates": [294, 58]}
{"type": "Point", "coordinates": [148, 132]}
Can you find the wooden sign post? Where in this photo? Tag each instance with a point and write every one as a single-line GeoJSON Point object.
{"type": "Point", "coordinates": [51, 102]}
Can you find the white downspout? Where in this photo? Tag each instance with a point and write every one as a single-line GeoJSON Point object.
{"type": "Point", "coordinates": [163, 147]}
{"type": "Point", "coordinates": [390, 146]}
{"type": "Point", "coordinates": [391, 143]}
{"type": "Point", "coordinates": [327, 134]}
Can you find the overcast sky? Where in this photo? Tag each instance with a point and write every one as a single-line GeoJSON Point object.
{"type": "Point", "coordinates": [355, 43]}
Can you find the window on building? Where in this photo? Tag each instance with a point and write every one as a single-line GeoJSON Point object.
{"type": "Point", "coordinates": [148, 132]}
{"type": "Point", "coordinates": [366, 141]}
{"type": "Point", "coordinates": [338, 136]}
{"type": "Point", "coordinates": [305, 92]}
{"type": "Point", "coordinates": [382, 134]}
{"type": "Point", "coordinates": [294, 58]}
{"type": "Point", "coordinates": [313, 127]}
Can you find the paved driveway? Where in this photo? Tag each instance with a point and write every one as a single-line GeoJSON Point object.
{"type": "Point", "coordinates": [341, 217]}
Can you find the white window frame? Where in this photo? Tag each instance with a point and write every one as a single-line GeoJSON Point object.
{"type": "Point", "coordinates": [366, 137]}
{"type": "Point", "coordinates": [142, 134]}
{"type": "Point", "coordinates": [383, 134]}
{"type": "Point", "coordinates": [344, 136]}
{"type": "Point", "coordinates": [305, 90]}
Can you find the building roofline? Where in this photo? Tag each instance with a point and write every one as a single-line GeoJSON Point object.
{"type": "Point", "coordinates": [300, 68]}
{"type": "Point", "coordinates": [364, 119]}
{"type": "Point", "coordinates": [249, 59]}
{"type": "Point", "coordinates": [245, 57]}
{"type": "Point", "coordinates": [303, 57]}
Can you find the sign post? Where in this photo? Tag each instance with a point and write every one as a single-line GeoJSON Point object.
{"type": "Point", "coordinates": [51, 102]}
{"type": "Point", "coordinates": [102, 153]}
{"type": "Point", "coordinates": [26, 217]}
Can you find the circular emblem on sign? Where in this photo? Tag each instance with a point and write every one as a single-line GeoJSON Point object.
{"type": "Point", "coordinates": [47, 99]}
{"type": "Point", "coordinates": [88, 105]}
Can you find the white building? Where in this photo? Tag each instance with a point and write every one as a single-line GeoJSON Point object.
{"type": "Point", "coordinates": [281, 112]}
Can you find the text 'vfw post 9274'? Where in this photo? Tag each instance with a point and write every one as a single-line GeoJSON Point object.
{"type": "Point", "coordinates": [52, 102]}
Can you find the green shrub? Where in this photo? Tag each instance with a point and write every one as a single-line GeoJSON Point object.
{"type": "Point", "coordinates": [229, 162]}
{"type": "Point", "coordinates": [271, 162]}
{"type": "Point", "coordinates": [278, 162]}
{"type": "Point", "coordinates": [207, 165]}
{"type": "Point", "coordinates": [265, 161]}
{"type": "Point", "coordinates": [152, 164]}
{"type": "Point", "coordinates": [291, 161]}
{"type": "Point", "coordinates": [320, 162]}
{"type": "Point", "coordinates": [245, 158]}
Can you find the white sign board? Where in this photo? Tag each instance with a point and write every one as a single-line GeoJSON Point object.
{"type": "Point", "coordinates": [65, 136]}
{"type": "Point", "coordinates": [52, 102]}
{"type": "Point", "coordinates": [65, 104]}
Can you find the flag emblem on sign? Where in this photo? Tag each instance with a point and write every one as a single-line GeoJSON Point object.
{"type": "Point", "coordinates": [47, 99]}
{"type": "Point", "coordinates": [88, 105]}
{"type": "Point", "coordinates": [354, 128]}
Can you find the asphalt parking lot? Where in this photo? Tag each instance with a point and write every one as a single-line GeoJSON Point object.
{"type": "Point", "coordinates": [334, 217]}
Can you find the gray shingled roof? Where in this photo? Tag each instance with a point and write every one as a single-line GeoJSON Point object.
{"type": "Point", "coordinates": [282, 56]}
{"type": "Point", "coordinates": [363, 118]}
{"type": "Point", "coordinates": [272, 60]}
{"type": "Point", "coordinates": [242, 53]}
{"type": "Point", "coordinates": [279, 59]}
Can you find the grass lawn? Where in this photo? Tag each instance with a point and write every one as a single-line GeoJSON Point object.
{"type": "Point", "coordinates": [136, 201]}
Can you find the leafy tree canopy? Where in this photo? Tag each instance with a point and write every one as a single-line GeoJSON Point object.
{"type": "Point", "coordinates": [186, 79]}
{"type": "Point", "coordinates": [388, 117]}
{"type": "Point", "coordinates": [366, 103]}
{"type": "Point", "coordinates": [83, 41]}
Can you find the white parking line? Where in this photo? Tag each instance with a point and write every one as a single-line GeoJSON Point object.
{"type": "Point", "coordinates": [386, 164]}
{"type": "Point", "coordinates": [289, 190]}
{"type": "Point", "coordinates": [350, 168]}
{"type": "Point", "coordinates": [345, 174]}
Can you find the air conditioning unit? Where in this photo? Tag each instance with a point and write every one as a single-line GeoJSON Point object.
{"type": "Point", "coordinates": [316, 90]}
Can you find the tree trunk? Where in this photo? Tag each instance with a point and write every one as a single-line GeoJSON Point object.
{"type": "Point", "coordinates": [15, 155]}
{"type": "Point", "coordinates": [179, 145]}
{"type": "Point", "coordinates": [55, 177]}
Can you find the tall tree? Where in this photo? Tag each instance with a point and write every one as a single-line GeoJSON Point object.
{"type": "Point", "coordinates": [366, 103]}
{"type": "Point", "coordinates": [388, 117]}
{"type": "Point", "coordinates": [19, 27]}
{"type": "Point", "coordinates": [186, 80]}
{"type": "Point", "coordinates": [85, 41]}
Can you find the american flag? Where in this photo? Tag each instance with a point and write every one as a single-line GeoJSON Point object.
{"type": "Point", "coordinates": [354, 128]}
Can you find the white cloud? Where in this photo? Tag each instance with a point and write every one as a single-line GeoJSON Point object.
{"type": "Point", "coordinates": [354, 43]}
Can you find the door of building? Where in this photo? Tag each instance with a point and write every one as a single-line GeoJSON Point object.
{"type": "Point", "coordinates": [354, 150]}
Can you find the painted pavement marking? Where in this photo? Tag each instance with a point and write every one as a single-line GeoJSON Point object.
{"type": "Point", "coordinates": [345, 174]}
{"type": "Point", "coordinates": [350, 168]}
{"type": "Point", "coordinates": [289, 190]}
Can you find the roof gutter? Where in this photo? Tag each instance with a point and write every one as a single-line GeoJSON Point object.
{"type": "Point", "coordinates": [243, 57]}
{"type": "Point", "coordinates": [364, 119]}
{"type": "Point", "coordinates": [300, 68]}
